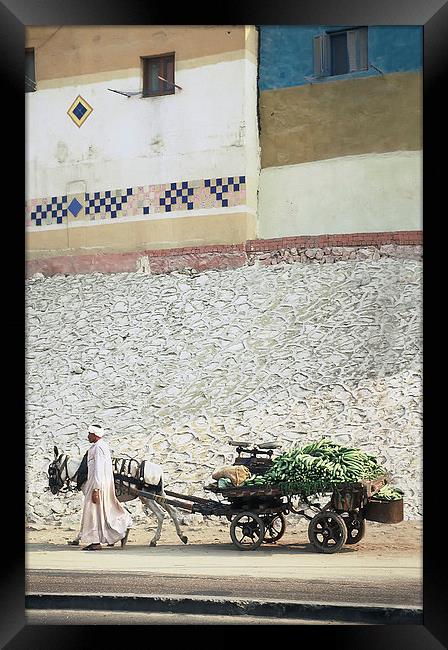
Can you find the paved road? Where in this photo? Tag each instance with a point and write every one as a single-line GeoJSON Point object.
{"type": "Point", "coordinates": [359, 589]}
{"type": "Point", "coordinates": [70, 617]}
{"type": "Point", "coordinates": [288, 572]}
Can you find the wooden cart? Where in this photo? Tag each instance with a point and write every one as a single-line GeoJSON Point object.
{"type": "Point", "coordinates": [257, 514]}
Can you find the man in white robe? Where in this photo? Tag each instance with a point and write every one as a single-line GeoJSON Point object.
{"type": "Point", "coordinates": [104, 520]}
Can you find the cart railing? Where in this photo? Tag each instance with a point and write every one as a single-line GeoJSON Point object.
{"type": "Point", "coordinates": [366, 487]}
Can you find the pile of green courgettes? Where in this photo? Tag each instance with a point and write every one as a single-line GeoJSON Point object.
{"type": "Point", "coordinates": [316, 467]}
{"type": "Point", "coordinates": [388, 493]}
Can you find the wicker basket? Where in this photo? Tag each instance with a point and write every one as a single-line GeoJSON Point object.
{"type": "Point", "coordinates": [385, 512]}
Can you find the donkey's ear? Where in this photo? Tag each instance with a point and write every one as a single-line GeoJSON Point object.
{"type": "Point", "coordinates": [55, 449]}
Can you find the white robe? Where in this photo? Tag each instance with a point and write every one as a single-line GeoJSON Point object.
{"type": "Point", "coordinates": [105, 522]}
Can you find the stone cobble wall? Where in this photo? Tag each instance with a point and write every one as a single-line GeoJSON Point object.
{"type": "Point", "coordinates": [332, 254]}
{"type": "Point", "coordinates": [173, 365]}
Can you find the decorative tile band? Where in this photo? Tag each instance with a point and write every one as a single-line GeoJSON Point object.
{"type": "Point", "coordinates": [47, 211]}
{"type": "Point", "coordinates": [212, 193]}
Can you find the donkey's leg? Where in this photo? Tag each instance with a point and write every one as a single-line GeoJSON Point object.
{"type": "Point", "coordinates": [173, 514]}
{"type": "Point", "coordinates": [148, 504]}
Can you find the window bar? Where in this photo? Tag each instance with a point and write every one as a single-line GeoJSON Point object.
{"type": "Point", "coordinates": [169, 82]}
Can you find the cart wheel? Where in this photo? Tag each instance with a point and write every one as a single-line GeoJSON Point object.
{"type": "Point", "coordinates": [327, 532]}
{"type": "Point", "coordinates": [274, 527]}
{"type": "Point", "coordinates": [356, 527]}
{"type": "Point", "coordinates": [247, 531]}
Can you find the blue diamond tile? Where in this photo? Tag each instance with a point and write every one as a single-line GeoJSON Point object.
{"type": "Point", "coordinates": [145, 210]}
{"type": "Point", "coordinates": [225, 188]}
{"type": "Point", "coordinates": [242, 179]}
{"type": "Point", "coordinates": [207, 183]}
{"type": "Point", "coordinates": [75, 207]}
{"type": "Point", "coordinates": [38, 208]}
{"type": "Point", "coordinates": [185, 199]}
{"type": "Point", "coordinates": [219, 181]}
{"type": "Point", "coordinates": [236, 187]}
{"type": "Point", "coordinates": [230, 180]}
{"type": "Point", "coordinates": [184, 185]}
{"type": "Point", "coordinates": [173, 186]}
{"type": "Point", "coordinates": [167, 208]}
{"type": "Point", "coordinates": [79, 110]}
{"type": "Point", "coordinates": [225, 203]}
{"type": "Point", "coordinates": [218, 195]}
{"type": "Point", "coordinates": [190, 206]}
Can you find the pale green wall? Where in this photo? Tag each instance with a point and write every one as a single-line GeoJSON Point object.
{"type": "Point", "coordinates": [367, 193]}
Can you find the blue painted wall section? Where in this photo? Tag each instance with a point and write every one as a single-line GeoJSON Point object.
{"type": "Point", "coordinates": [286, 53]}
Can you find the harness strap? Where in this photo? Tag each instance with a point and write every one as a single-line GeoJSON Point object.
{"type": "Point", "coordinates": [141, 474]}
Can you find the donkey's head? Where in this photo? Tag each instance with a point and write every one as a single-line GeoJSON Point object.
{"type": "Point", "coordinates": [55, 481]}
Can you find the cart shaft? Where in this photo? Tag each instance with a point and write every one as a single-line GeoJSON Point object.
{"type": "Point", "coordinates": [168, 500]}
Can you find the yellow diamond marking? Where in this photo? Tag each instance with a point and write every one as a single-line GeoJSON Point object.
{"type": "Point", "coordinates": [79, 119]}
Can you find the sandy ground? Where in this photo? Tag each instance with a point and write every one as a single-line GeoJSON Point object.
{"type": "Point", "coordinates": [405, 538]}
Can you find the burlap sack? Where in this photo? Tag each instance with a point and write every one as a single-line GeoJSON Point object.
{"type": "Point", "coordinates": [236, 473]}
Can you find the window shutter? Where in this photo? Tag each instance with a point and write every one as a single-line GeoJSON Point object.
{"type": "Point", "coordinates": [322, 55]}
{"type": "Point", "coordinates": [352, 48]}
{"type": "Point", "coordinates": [326, 55]}
{"type": "Point", "coordinates": [318, 68]}
{"type": "Point", "coordinates": [30, 71]}
{"type": "Point", "coordinates": [357, 49]}
{"type": "Point", "coordinates": [362, 41]}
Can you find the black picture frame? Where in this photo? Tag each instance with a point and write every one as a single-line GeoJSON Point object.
{"type": "Point", "coordinates": [14, 16]}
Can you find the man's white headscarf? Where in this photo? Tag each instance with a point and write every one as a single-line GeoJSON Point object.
{"type": "Point", "coordinates": [97, 430]}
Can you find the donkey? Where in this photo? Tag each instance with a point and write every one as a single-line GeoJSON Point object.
{"type": "Point", "coordinates": [65, 470]}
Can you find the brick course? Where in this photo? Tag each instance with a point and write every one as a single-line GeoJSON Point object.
{"type": "Point", "coordinates": [226, 256]}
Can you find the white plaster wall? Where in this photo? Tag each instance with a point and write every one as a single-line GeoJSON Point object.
{"type": "Point", "coordinates": [252, 143]}
{"type": "Point", "coordinates": [200, 132]}
{"type": "Point", "coordinates": [174, 365]}
{"type": "Point", "coordinates": [366, 193]}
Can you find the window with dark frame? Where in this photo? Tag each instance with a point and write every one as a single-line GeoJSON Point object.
{"type": "Point", "coordinates": [340, 52]}
{"type": "Point", "coordinates": [158, 75]}
{"type": "Point", "coordinates": [30, 71]}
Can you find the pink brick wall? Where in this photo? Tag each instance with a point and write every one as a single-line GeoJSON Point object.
{"type": "Point", "coordinates": [212, 257]}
